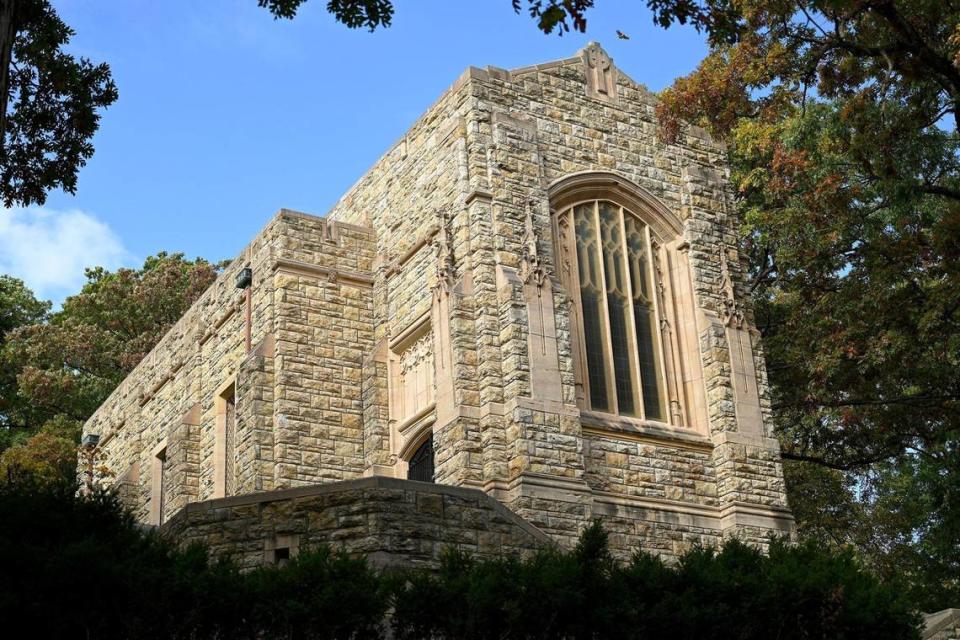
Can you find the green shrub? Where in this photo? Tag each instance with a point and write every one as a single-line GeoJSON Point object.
{"type": "Point", "coordinates": [794, 592]}
{"type": "Point", "coordinates": [318, 594]}
{"type": "Point", "coordinates": [80, 567]}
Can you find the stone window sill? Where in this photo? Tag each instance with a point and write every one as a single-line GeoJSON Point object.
{"type": "Point", "coordinates": [635, 427]}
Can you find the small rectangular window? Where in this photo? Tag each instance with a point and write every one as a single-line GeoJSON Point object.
{"type": "Point", "coordinates": [158, 486]}
{"type": "Point", "coordinates": [224, 445]}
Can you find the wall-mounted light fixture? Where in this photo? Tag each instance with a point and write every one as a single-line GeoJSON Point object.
{"type": "Point", "coordinates": [90, 440]}
{"type": "Point", "coordinates": [89, 443]}
{"type": "Point", "coordinates": [244, 278]}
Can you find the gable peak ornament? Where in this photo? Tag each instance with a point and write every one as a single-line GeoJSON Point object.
{"type": "Point", "coordinates": [601, 73]}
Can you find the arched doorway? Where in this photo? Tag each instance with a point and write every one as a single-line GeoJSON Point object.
{"type": "Point", "coordinates": [421, 462]}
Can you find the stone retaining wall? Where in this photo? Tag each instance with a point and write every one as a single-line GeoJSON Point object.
{"type": "Point", "coordinates": [393, 522]}
{"type": "Point", "coordinates": [942, 625]}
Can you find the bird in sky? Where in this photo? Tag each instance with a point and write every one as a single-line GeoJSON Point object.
{"type": "Point", "coordinates": [622, 35]}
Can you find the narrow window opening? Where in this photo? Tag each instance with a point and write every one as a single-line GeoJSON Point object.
{"type": "Point", "coordinates": [591, 300]}
{"type": "Point", "coordinates": [224, 444]}
{"type": "Point", "coordinates": [159, 486]}
{"type": "Point", "coordinates": [230, 431]}
{"type": "Point", "coordinates": [281, 556]}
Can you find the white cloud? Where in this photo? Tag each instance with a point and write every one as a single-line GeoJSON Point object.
{"type": "Point", "coordinates": [49, 249]}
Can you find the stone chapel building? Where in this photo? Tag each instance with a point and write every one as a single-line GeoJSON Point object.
{"type": "Point", "coordinates": [530, 302]}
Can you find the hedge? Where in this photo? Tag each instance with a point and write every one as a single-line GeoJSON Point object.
{"type": "Point", "coordinates": [81, 567]}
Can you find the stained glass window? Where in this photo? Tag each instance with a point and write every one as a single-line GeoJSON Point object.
{"type": "Point", "coordinates": [618, 284]}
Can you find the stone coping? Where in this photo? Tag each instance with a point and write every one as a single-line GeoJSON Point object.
{"type": "Point", "coordinates": [359, 484]}
{"type": "Point", "coordinates": [941, 621]}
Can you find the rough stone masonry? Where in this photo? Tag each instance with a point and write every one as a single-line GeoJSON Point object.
{"type": "Point", "coordinates": [530, 298]}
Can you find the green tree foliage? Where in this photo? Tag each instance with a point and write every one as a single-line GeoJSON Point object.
{"type": "Point", "coordinates": [79, 566]}
{"type": "Point", "coordinates": [58, 368]}
{"type": "Point", "coordinates": [50, 103]}
{"type": "Point", "coordinates": [550, 15]}
{"type": "Point", "coordinates": [45, 457]}
{"type": "Point", "coordinates": [70, 363]}
{"type": "Point", "coordinates": [319, 594]}
{"type": "Point", "coordinates": [841, 119]}
{"type": "Point", "coordinates": [18, 308]}
{"type": "Point", "coordinates": [734, 592]}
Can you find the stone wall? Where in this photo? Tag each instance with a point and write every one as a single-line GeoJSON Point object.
{"type": "Point", "coordinates": [391, 522]}
{"type": "Point", "coordinates": [494, 147]}
{"type": "Point", "coordinates": [296, 386]}
{"type": "Point", "coordinates": [324, 330]}
{"type": "Point", "coordinates": [445, 266]}
{"type": "Point", "coordinates": [942, 625]}
{"type": "Point", "coordinates": [168, 401]}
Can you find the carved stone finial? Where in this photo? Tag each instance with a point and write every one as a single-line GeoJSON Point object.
{"type": "Point", "coordinates": [328, 230]}
{"type": "Point", "coordinates": [731, 314]}
{"type": "Point", "coordinates": [660, 288]}
{"type": "Point", "coordinates": [563, 233]}
{"type": "Point", "coordinates": [444, 258]}
{"type": "Point", "coordinates": [601, 74]}
{"type": "Point", "coordinates": [531, 264]}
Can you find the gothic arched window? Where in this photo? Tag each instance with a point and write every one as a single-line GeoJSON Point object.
{"type": "Point", "coordinates": [615, 260]}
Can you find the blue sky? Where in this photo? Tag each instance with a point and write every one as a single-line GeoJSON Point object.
{"type": "Point", "coordinates": [226, 115]}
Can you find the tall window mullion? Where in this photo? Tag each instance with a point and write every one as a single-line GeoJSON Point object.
{"type": "Point", "coordinates": [634, 347]}
{"type": "Point", "coordinates": [617, 290]}
{"type": "Point", "coordinates": [646, 322]}
{"type": "Point", "coordinates": [658, 314]}
{"type": "Point", "coordinates": [613, 396]}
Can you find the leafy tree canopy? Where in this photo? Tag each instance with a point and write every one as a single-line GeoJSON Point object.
{"type": "Point", "coordinates": [50, 103]}
{"type": "Point", "coordinates": [559, 15]}
{"type": "Point", "coordinates": [18, 307]}
{"type": "Point", "coordinates": [58, 368]}
{"type": "Point", "coordinates": [841, 119]}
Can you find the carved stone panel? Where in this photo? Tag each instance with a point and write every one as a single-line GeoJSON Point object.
{"type": "Point", "coordinates": [743, 374]}
{"type": "Point", "coordinates": [412, 379]}
{"type": "Point", "coordinates": [545, 381]}
{"type": "Point", "coordinates": [412, 391]}
{"type": "Point", "coordinates": [601, 74]}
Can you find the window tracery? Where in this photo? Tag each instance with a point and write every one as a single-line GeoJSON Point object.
{"type": "Point", "coordinates": [620, 262]}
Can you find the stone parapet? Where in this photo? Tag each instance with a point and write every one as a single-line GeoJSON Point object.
{"type": "Point", "coordinates": [942, 625]}
{"type": "Point", "coordinates": [392, 522]}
